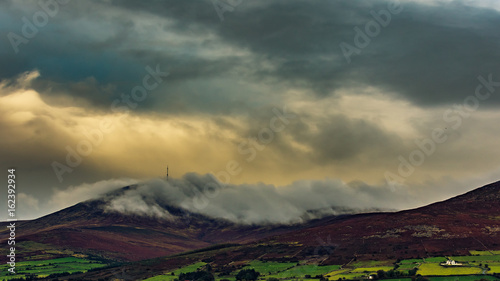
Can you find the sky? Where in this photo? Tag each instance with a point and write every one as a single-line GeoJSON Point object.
{"type": "Point", "coordinates": [300, 104]}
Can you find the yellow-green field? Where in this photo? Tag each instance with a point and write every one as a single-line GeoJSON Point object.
{"type": "Point", "coordinates": [360, 269]}
{"type": "Point", "coordinates": [436, 269]}
{"type": "Point", "coordinates": [343, 273]}
{"type": "Point", "coordinates": [494, 267]}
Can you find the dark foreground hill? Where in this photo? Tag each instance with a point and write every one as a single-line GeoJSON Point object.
{"type": "Point", "coordinates": [453, 227]}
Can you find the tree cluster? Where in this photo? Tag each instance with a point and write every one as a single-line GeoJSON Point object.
{"type": "Point", "coordinates": [247, 275]}
{"type": "Point", "coordinates": [196, 276]}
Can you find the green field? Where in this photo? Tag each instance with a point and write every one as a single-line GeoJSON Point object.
{"type": "Point", "coordinates": [484, 253]}
{"type": "Point", "coordinates": [372, 269]}
{"type": "Point", "coordinates": [483, 258]}
{"type": "Point", "coordinates": [47, 267]}
{"type": "Point", "coordinates": [406, 267]}
{"type": "Point", "coordinates": [411, 261]}
{"type": "Point", "coordinates": [435, 259]}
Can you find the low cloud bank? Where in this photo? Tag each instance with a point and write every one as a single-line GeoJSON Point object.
{"type": "Point", "coordinates": [247, 203]}
{"type": "Point", "coordinates": [254, 203]}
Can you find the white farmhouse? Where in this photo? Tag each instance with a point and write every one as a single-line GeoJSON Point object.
{"type": "Point", "coordinates": [451, 263]}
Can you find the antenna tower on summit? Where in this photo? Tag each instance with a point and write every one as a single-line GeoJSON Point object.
{"type": "Point", "coordinates": [167, 172]}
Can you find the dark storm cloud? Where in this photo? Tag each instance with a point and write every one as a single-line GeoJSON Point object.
{"type": "Point", "coordinates": [339, 138]}
{"type": "Point", "coordinates": [63, 56]}
{"type": "Point", "coordinates": [428, 54]}
{"type": "Point", "coordinates": [332, 138]}
{"type": "Point", "coordinates": [91, 55]}
{"type": "Point", "coordinates": [437, 60]}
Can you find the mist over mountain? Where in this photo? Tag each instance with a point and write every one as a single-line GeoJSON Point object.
{"type": "Point", "coordinates": [158, 217]}
{"type": "Point", "coordinates": [251, 203]}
